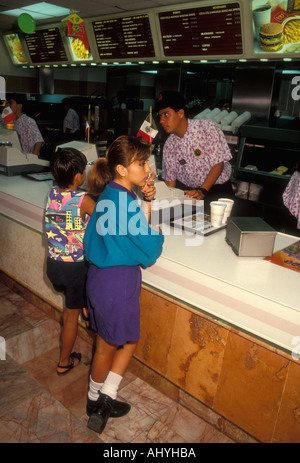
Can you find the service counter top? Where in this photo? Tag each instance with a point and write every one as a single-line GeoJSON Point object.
{"type": "Point", "coordinates": [23, 199]}
{"type": "Point", "coordinates": [249, 293]}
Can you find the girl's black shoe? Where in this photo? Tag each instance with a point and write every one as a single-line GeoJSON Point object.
{"type": "Point", "coordinates": [118, 409]}
{"type": "Point", "coordinates": [101, 413]}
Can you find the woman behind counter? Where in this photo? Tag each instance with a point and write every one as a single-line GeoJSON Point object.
{"type": "Point", "coordinates": [28, 131]}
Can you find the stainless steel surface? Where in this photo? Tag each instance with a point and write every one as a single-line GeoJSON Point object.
{"type": "Point", "coordinates": [46, 81]}
{"type": "Point", "coordinates": [252, 91]}
{"type": "Point", "coordinates": [250, 236]}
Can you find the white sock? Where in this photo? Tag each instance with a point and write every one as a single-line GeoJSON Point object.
{"type": "Point", "coordinates": [111, 384]}
{"type": "Point", "coordinates": [94, 389]}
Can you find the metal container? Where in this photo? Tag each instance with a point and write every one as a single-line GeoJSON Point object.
{"type": "Point", "coordinates": [250, 236]}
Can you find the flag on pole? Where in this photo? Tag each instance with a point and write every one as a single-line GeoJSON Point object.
{"type": "Point", "coordinates": [7, 114]}
{"type": "Point", "coordinates": [148, 129]}
{"type": "Point", "coordinates": [88, 122]}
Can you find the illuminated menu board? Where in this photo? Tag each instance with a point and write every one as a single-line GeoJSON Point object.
{"type": "Point", "coordinates": [211, 30]}
{"type": "Point", "coordinates": [14, 45]}
{"type": "Point", "coordinates": [128, 37]}
{"type": "Point", "coordinates": [46, 46]}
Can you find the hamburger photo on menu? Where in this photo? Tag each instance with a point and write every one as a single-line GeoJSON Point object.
{"type": "Point", "coordinates": [271, 37]}
{"type": "Point", "coordinates": [16, 48]}
{"type": "Point", "coordinates": [277, 25]}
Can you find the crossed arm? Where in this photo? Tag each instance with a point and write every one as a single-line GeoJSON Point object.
{"type": "Point", "coordinates": [210, 180]}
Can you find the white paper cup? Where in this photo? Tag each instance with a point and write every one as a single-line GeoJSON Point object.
{"type": "Point", "coordinates": [262, 15]}
{"type": "Point", "coordinates": [229, 205]}
{"type": "Point", "coordinates": [217, 210]}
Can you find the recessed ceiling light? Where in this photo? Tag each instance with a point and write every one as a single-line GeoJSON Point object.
{"type": "Point", "coordinates": [42, 10]}
{"type": "Point", "coordinates": [149, 72]}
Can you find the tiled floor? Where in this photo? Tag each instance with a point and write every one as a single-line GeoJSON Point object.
{"type": "Point", "coordinates": [36, 405]}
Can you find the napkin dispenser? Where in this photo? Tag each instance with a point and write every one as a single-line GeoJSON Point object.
{"type": "Point", "coordinates": [250, 236]}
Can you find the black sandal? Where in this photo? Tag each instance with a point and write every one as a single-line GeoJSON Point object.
{"type": "Point", "coordinates": [69, 367]}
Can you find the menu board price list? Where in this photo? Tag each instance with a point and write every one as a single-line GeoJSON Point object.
{"type": "Point", "coordinates": [46, 45]}
{"type": "Point", "coordinates": [128, 37]}
{"type": "Point", "coordinates": [214, 30]}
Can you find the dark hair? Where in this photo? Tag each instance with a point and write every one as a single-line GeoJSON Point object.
{"type": "Point", "coordinates": [65, 164]}
{"type": "Point", "coordinates": [98, 178]}
{"type": "Point", "coordinates": [123, 151]}
{"type": "Point", "coordinates": [170, 99]}
{"type": "Point", "coordinates": [68, 102]}
{"type": "Point", "coordinates": [19, 99]}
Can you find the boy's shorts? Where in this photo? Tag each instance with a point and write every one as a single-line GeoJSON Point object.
{"type": "Point", "coordinates": [69, 278]}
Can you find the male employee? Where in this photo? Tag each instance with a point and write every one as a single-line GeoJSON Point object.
{"type": "Point", "coordinates": [30, 136]}
{"type": "Point", "coordinates": [195, 154]}
{"type": "Point", "coordinates": [71, 124]}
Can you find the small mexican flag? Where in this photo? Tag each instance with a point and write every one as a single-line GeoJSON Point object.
{"type": "Point", "coordinates": [148, 129]}
{"type": "Point", "coordinates": [7, 114]}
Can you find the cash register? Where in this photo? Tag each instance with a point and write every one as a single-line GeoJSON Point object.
{"type": "Point", "coordinates": [13, 161]}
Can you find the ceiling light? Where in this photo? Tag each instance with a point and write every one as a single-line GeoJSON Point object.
{"type": "Point", "coordinates": [286, 71]}
{"type": "Point", "coordinates": [149, 72]}
{"type": "Point", "coordinates": [42, 10]}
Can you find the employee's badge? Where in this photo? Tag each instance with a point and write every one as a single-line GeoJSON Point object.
{"type": "Point", "coordinates": [197, 152]}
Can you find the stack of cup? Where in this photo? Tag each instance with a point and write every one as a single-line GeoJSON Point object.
{"type": "Point", "coordinates": [217, 209]}
{"type": "Point", "coordinates": [261, 16]}
{"type": "Point", "coordinates": [229, 205]}
{"type": "Point", "coordinates": [220, 211]}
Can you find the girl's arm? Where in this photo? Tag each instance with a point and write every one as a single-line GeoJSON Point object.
{"type": "Point", "coordinates": [87, 206]}
{"type": "Point", "coordinates": [147, 209]}
{"type": "Point", "coordinates": [149, 191]}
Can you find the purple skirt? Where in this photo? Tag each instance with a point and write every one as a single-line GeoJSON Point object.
{"type": "Point", "coordinates": [113, 301]}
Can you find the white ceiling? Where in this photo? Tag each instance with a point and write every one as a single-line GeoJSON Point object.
{"type": "Point", "coordinates": [86, 8]}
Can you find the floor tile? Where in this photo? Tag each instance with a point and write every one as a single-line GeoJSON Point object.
{"type": "Point", "coordinates": [16, 385]}
{"type": "Point", "coordinates": [37, 405]}
{"type": "Point", "coordinates": [43, 419]}
{"type": "Point", "coordinates": [66, 388]}
{"type": "Point", "coordinates": [31, 343]}
{"type": "Point", "coordinates": [12, 325]}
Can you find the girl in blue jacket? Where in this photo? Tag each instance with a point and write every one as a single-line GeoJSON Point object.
{"type": "Point", "coordinates": [118, 241]}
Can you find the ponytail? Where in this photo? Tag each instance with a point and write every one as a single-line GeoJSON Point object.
{"type": "Point", "coordinates": [98, 178]}
{"type": "Point", "coordinates": [123, 151]}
